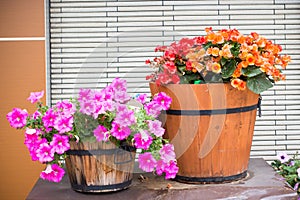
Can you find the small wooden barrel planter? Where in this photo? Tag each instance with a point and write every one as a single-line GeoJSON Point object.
{"type": "Point", "coordinates": [211, 127]}
{"type": "Point", "coordinates": [99, 167]}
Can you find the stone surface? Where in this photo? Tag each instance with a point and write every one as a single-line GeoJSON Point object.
{"type": "Point", "coordinates": [261, 183]}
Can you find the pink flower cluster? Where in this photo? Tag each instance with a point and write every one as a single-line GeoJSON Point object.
{"type": "Point", "coordinates": [134, 125]}
{"type": "Point", "coordinates": [166, 164]}
{"type": "Point", "coordinates": [47, 133]}
{"type": "Point", "coordinates": [49, 130]}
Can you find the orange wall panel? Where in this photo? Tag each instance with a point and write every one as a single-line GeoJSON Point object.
{"type": "Point", "coordinates": [22, 70]}
{"type": "Point", "coordinates": [22, 18]}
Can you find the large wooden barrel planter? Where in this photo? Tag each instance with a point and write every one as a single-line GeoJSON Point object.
{"type": "Point", "coordinates": [99, 167]}
{"type": "Point", "coordinates": [211, 127]}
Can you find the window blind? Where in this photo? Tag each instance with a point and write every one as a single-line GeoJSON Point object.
{"type": "Point", "coordinates": [94, 41]}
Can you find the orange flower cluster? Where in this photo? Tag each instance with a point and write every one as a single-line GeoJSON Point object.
{"type": "Point", "coordinates": [247, 61]}
{"type": "Point", "coordinates": [254, 50]}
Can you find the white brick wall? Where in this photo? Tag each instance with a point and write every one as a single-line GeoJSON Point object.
{"type": "Point", "coordinates": [93, 41]}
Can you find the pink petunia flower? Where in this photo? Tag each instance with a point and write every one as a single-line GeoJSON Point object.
{"type": "Point", "coordinates": [160, 167]}
{"type": "Point", "coordinates": [35, 96]}
{"type": "Point", "coordinates": [87, 107]}
{"type": "Point", "coordinates": [101, 133]}
{"type": "Point", "coordinates": [120, 132]}
{"type": "Point", "coordinates": [155, 127]}
{"type": "Point", "coordinates": [49, 118]}
{"type": "Point", "coordinates": [283, 157]}
{"type": "Point", "coordinates": [63, 124]}
{"type": "Point", "coordinates": [147, 162]}
{"type": "Point", "coordinates": [107, 93]}
{"type": "Point", "coordinates": [125, 117]}
{"type": "Point", "coordinates": [36, 115]}
{"type": "Point", "coordinates": [65, 108]}
{"type": "Point", "coordinates": [153, 109]}
{"type": "Point", "coordinates": [53, 173]}
{"type": "Point", "coordinates": [298, 171]}
{"type": "Point", "coordinates": [167, 153]}
{"type": "Point", "coordinates": [119, 84]}
{"type": "Point", "coordinates": [163, 100]}
{"type": "Point", "coordinates": [84, 95]}
{"type": "Point", "coordinates": [142, 98]}
{"type": "Point", "coordinates": [45, 152]}
{"type": "Point", "coordinates": [33, 142]}
{"type": "Point", "coordinates": [121, 96]}
{"type": "Point", "coordinates": [17, 118]}
{"type": "Point", "coordinates": [142, 140]}
{"type": "Point", "coordinates": [60, 143]}
{"type": "Point", "coordinates": [171, 170]}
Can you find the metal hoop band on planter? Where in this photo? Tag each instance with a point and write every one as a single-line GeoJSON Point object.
{"type": "Point", "coordinates": [212, 112]}
{"type": "Point", "coordinates": [220, 179]}
{"type": "Point", "coordinates": [87, 188]}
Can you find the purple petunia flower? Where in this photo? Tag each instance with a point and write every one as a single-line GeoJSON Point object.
{"type": "Point", "coordinates": [283, 157]}
{"type": "Point", "coordinates": [53, 173]}
{"type": "Point", "coordinates": [35, 96]}
{"type": "Point", "coordinates": [147, 162]}
{"type": "Point", "coordinates": [17, 118]}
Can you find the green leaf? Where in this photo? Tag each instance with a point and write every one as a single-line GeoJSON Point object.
{"type": "Point", "coordinates": [228, 68]}
{"type": "Point", "coordinates": [181, 68]}
{"type": "Point", "coordinates": [223, 61]}
{"type": "Point", "coordinates": [189, 78]}
{"type": "Point", "coordinates": [251, 71]}
{"type": "Point", "coordinates": [235, 50]}
{"type": "Point", "coordinates": [207, 45]}
{"type": "Point", "coordinates": [259, 83]}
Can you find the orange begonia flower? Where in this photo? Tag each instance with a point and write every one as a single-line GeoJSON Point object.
{"type": "Point", "coordinates": [243, 55]}
{"type": "Point", "coordinates": [219, 39]}
{"type": "Point", "coordinates": [238, 83]}
{"type": "Point", "coordinates": [210, 37]}
{"type": "Point", "coordinates": [250, 59]}
{"type": "Point", "coordinates": [237, 72]}
{"type": "Point", "coordinates": [259, 61]}
{"type": "Point", "coordinates": [208, 29]}
{"type": "Point", "coordinates": [254, 35]}
{"type": "Point", "coordinates": [261, 42]}
{"type": "Point", "coordinates": [215, 51]}
{"type": "Point", "coordinates": [209, 51]}
{"type": "Point", "coordinates": [244, 64]}
{"type": "Point", "coordinates": [242, 39]}
{"type": "Point", "coordinates": [286, 58]}
{"type": "Point", "coordinates": [242, 85]}
{"type": "Point", "coordinates": [216, 67]}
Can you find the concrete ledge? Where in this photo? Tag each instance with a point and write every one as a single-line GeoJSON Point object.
{"type": "Point", "coordinates": [261, 183]}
